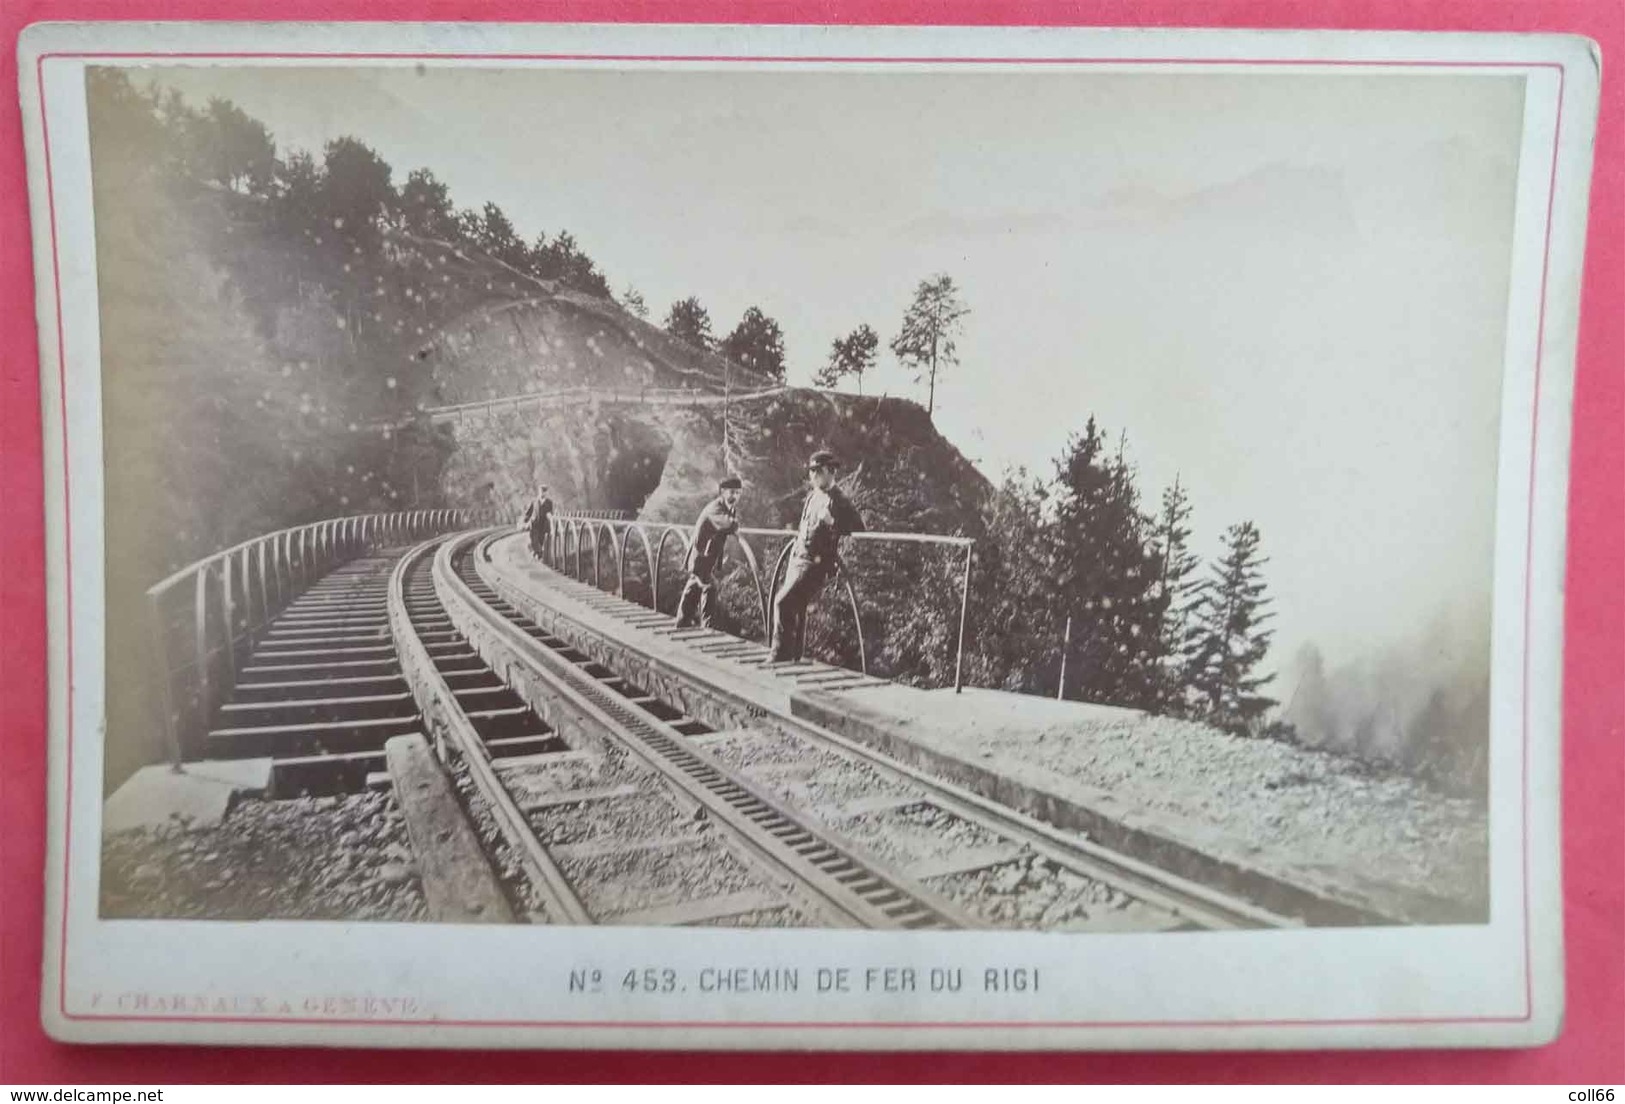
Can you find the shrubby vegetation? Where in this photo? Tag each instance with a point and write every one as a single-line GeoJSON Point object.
{"type": "Point", "coordinates": [277, 304]}
{"type": "Point", "coordinates": [1146, 631]}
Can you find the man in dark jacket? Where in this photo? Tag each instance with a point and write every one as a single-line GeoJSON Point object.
{"type": "Point", "coordinates": [719, 519]}
{"type": "Point", "coordinates": [538, 519]}
{"type": "Point", "coordinates": [826, 517]}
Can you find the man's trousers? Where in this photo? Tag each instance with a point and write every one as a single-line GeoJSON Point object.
{"type": "Point", "coordinates": [803, 579]}
{"type": "Point", "coordinates": [699, 594]}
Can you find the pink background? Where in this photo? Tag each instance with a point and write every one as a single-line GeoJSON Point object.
{"type": "Point", "coordinates": [1592, 1047]}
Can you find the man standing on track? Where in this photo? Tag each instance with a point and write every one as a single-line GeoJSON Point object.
{"type": "Point", "coordinates": [719, 519]}
{"type": "Point", "coordinates": [826, 517]}
{"type": "Point", "coordinates": [538, 518]}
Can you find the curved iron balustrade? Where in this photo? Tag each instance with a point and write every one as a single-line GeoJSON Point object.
{"type": "Point", "coordinates": [578, 539]}
{"type": "Point", "coordinates": [250, 584]}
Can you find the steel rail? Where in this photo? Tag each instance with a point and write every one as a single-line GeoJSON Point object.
{"type": "Point", "coordinates": [449, 724]}
{"type": "Point", "coordinates": [1211, 908]}
{"type": "Point", "coordinates": [850, 885]}
{"type": "Point", "coordinates": [1201, 904]}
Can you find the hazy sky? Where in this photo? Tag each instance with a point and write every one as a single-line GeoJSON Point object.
{"type": "Point", "coordinates": [1290, 290]}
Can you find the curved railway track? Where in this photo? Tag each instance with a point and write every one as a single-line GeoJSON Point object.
{"type": "Point", "coordinates": [599, 803]}
{"type": "Point", "coordinates": [819, 874]}
{"type": "Point", "coordinates": [850, 836]}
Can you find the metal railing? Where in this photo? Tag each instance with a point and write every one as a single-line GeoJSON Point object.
{"type": "Point", "coordinates": [203, 615]}
{"type": "Point", "coordinates": [600, 515]}
{"type": "Point", "coordinates": [579, 543]}
{"type": "Point", "coordinates": [588, 396]}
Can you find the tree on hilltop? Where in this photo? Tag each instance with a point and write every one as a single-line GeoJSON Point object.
{"type": "Point", "coordinates": [688, 321]}
{"type": "Point", "coordinates": [233, 149]}
{"type": "Point", "coordinates": [425, 207]}
{"type": "Point", "coordinates": [756, 344]}
{"type": "Point", "coordinates": [355, 192]}
{"type": "Point", "coordinates": [500, 241]}
{"type": "Point", "coordinates": [562, 259]}
{"type": "Point", "coordinates": [931, 328]}
{"type": "Point", "coordinates": [852, 355]}
{"type": "Point", "coordinates": [632, 300]}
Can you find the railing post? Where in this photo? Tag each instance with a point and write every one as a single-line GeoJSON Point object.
{"type": "Point", "coordinates": [964, 602]}
{"type": "Point", "coordinates": [160, 651]}
{"type": "Point", "coordinates": [285, 582]}
{"type": "Point", "coordinates": [200, 621]}
{"type": "Point", "coordinates": [857, 623]}
{"type": "Point", "coordinates": [229, 616]}
{"type": "Point", "coordinates": [276, 568]}
{"type": "Point", "coordinates": [265, 594]}
{"type": "Point", "coordinates": [248, 591]}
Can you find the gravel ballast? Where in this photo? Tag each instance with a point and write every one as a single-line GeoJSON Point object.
{"type": "Point", "coordinates": [1297, 814]}
{"type": "Point", "coordinates": [312, 858]}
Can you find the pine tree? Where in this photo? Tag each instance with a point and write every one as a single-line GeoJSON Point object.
{"type": "Point", "coordinates": [756, 344]}
{"type": "Point", "coordinates": [562, 259]}
{"type": "Point", "coordinates": [688, 321]}
{"type": "Point", "coordinates": [425, 207]}
{"type": "Point", "coordinates": [235, 150]}
{"type": "Point", "coordinates": [632, 300]}
{"type": "Point", "coordinates": [851, 355]}
{"type": "Point", "coordinates": [355, 193]}
{"type": "Point", "coordinates": [1229, 641]}
{"type": "Point", "coordinates": [929, 337]}
{"type": "Point", "coordinates": [498, 238]}
{"type": "Point", "coordinates": [1015, 620]}
{"type": "Point", "coordinates": [1177, 593]}
{"type": "Point", "coordinates": [1106, 577]}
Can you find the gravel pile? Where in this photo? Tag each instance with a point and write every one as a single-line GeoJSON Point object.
{"type": "Point", "coordinates": [313, 858]}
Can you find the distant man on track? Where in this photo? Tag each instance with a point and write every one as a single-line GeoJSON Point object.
{"type": "Point", "coordinates": [826, 517]}
{"type": "Point", "coordinates": [538, 519]}
{"type": "Point", "coordinates": [718, 520]}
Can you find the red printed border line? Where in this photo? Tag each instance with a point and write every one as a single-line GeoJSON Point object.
{"type": "Point", "coordinates": [67, 528]}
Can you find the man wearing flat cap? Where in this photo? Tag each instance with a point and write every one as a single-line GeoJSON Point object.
{"type": "Point", "coordinates": [719, 518]}
{"type": "Point", "coordinates": [826, 517]}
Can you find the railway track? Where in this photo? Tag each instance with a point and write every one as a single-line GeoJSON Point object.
{"type": "Point", "coordinates": [915, 852]}
{"type": "Point", "coordinates": [600, 803]}
{"type": "Point", "coordinates": [819, 876]}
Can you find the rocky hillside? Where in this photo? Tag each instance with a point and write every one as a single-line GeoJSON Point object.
{"type": "Point", "coordinates": [640, 447]}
